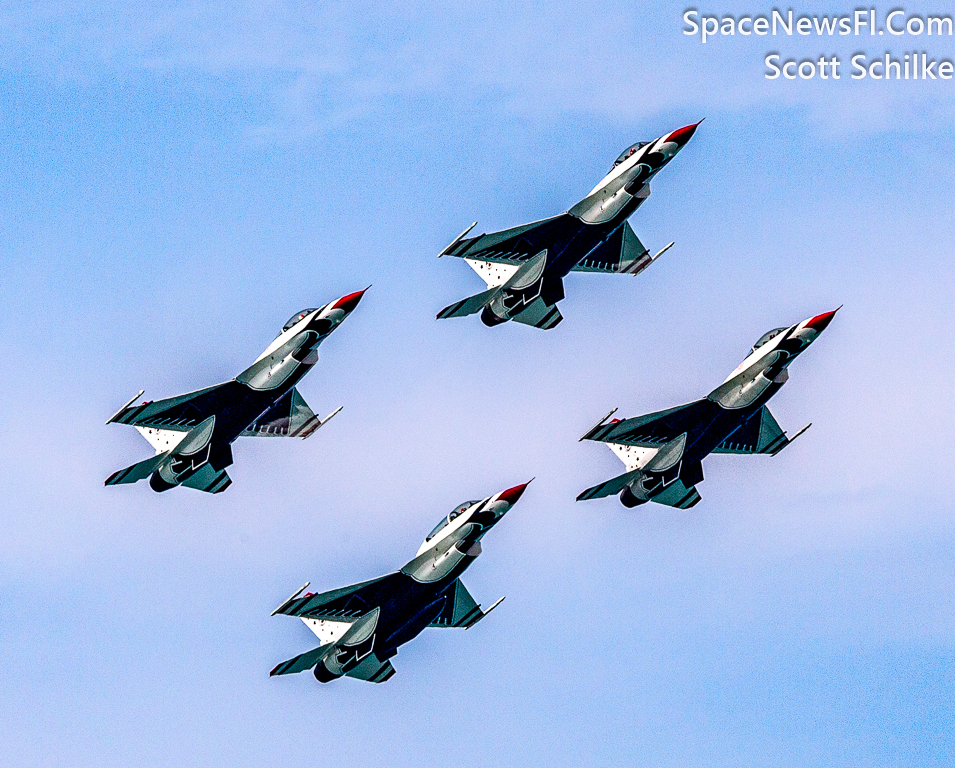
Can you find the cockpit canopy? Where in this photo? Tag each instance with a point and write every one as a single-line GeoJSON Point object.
{"type": "Point", "coordinates": [458, 510]}
{"type": "Point", "coordinates": [766, 337]}
{"type": "Point", "coordinates": [297, 317]}
{"type": "Point", "coordinates": [629, 151]}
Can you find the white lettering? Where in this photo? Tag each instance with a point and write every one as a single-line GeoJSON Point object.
{"type": "Point", "coordinates": [827, 27]}
{"type": "Point", "coordinates": [937, 21]}
{"type": "Point", "coordinates": [888, 23]}
{"type": "Point", "coordinates": [778, 17]}
{"type": "Point", "coordinates": [862, 20]}
{"type": "Point", "coordinates": [772, 67]}
{"type": "Point", "coordinates": [688, 19]}
{"type": "Point", "coordinates": [859, 71]}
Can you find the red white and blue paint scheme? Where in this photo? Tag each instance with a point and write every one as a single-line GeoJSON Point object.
{"type": "Point", "coordinates": [663, 451]}
{"type": "Point", "coordinates": [525, 267]}
{"type": "Point", "coordinates": [361, 627]}
{"type": "Point", "coordinates": [193, 433]}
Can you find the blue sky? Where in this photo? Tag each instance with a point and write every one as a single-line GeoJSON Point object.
{"type": "Point", "coordinates": [177, 180]}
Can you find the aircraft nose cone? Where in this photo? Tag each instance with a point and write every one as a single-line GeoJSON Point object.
{"type": "Point", "coordinates": [349, 302]}
{"type": "Point", "coordinates": [682, 135]}
{"type": "Point", "coordinates": [820, 322]}
{"type": "Point", "coordinates": [511, 495]}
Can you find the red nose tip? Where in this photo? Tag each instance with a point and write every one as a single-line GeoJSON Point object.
{"type": "Point", "coordinates": [349, 302]}
{"type": "Point", "coordinates": [511, 495]}
{"type": "Point", "coordinates": [820, 322]}
{"type": "Point", "coordinates": [682, 135]}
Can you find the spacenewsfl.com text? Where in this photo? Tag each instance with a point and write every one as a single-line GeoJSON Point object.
{"type": "Point", "coordinates": [860, 22]}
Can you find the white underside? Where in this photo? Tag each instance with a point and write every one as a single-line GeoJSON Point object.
{"type": "Point", "coordinates": [493, 274]}
{"type": "Point", "coordinates": [162, 440]}
{"type": "Point", "coordinates": [326, 630]}
{"type": "Point", "coordinates": [633, 456]}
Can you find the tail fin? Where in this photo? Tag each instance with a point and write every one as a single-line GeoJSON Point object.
{"type": "Point", "coordinates": [136, 472]}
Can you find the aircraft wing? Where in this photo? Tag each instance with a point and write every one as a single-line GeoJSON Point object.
{"type": "Point", "coordinates": [654, 429]}
{"type": "Point", "coordinates": [460, 609]}
{"type": "Point", "coordinates": [180, 413]}
{"type": "Point", "coordinates": [345, 603]}
{"type": "Point", "coordinates": [621, 253]}
{"type": "Point", "coordinates": [516, 245]}
{"type": "Point", "coordinates": [289, 416]}
{"type": "Point", "coordinates": [759, 434]}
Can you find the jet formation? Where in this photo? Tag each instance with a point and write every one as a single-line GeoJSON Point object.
{"type": "Point", "coordinates": [663, 451]}
{"type": "Point", "coordinates": [525, 267]}
{"type": "Point", "coordinates": [361, 627]}
{"type": "Point", "coordinates": [193, 433]}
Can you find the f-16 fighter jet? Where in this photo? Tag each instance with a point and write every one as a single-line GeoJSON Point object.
{"type": "Point", "coordinates": [524, 267]}
{"type": "Point", "coordinates": [193, 433]}
{"type": "Point", "coordinates": [663, 451]}
{"type": "Point", "coordinates": [360, 627]}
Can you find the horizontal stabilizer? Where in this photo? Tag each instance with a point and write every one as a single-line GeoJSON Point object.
{"type": "Point", "coordinates": [372, 669]}
{"type": "Point", "coordinates": [136, 472]}
{"type": "Point", "coordinates": [470, 305]}
{"type": "Point", "coordinates": [677, 495]}
{"type": "Point", "coordinates": [301, 662]}
{"type": "Point", "coordinates": [610, 487]}
{"type": "Point", "coordinates": [208, 480]}
{"type": "Point", "coordinates": [540, 315]}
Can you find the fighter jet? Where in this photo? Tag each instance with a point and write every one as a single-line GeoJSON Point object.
{"type": "Point", "coordinates": [360, 627]}
{"type": "Point", "coordinates": [193, 433]}
{"type": "Point", "coordinates": [663, 451]}
{"type": "Point", "coordinates": [524, 267]}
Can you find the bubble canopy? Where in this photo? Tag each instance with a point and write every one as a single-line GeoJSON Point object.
{"type": "Point", "coordinates": [297, 317]}
{"type": "Point", "coordinates": [766, 337]}
{"type": "Point", "coordinates": [461, 508]}
{"type": "Point", "coordinates": [629, 151]}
